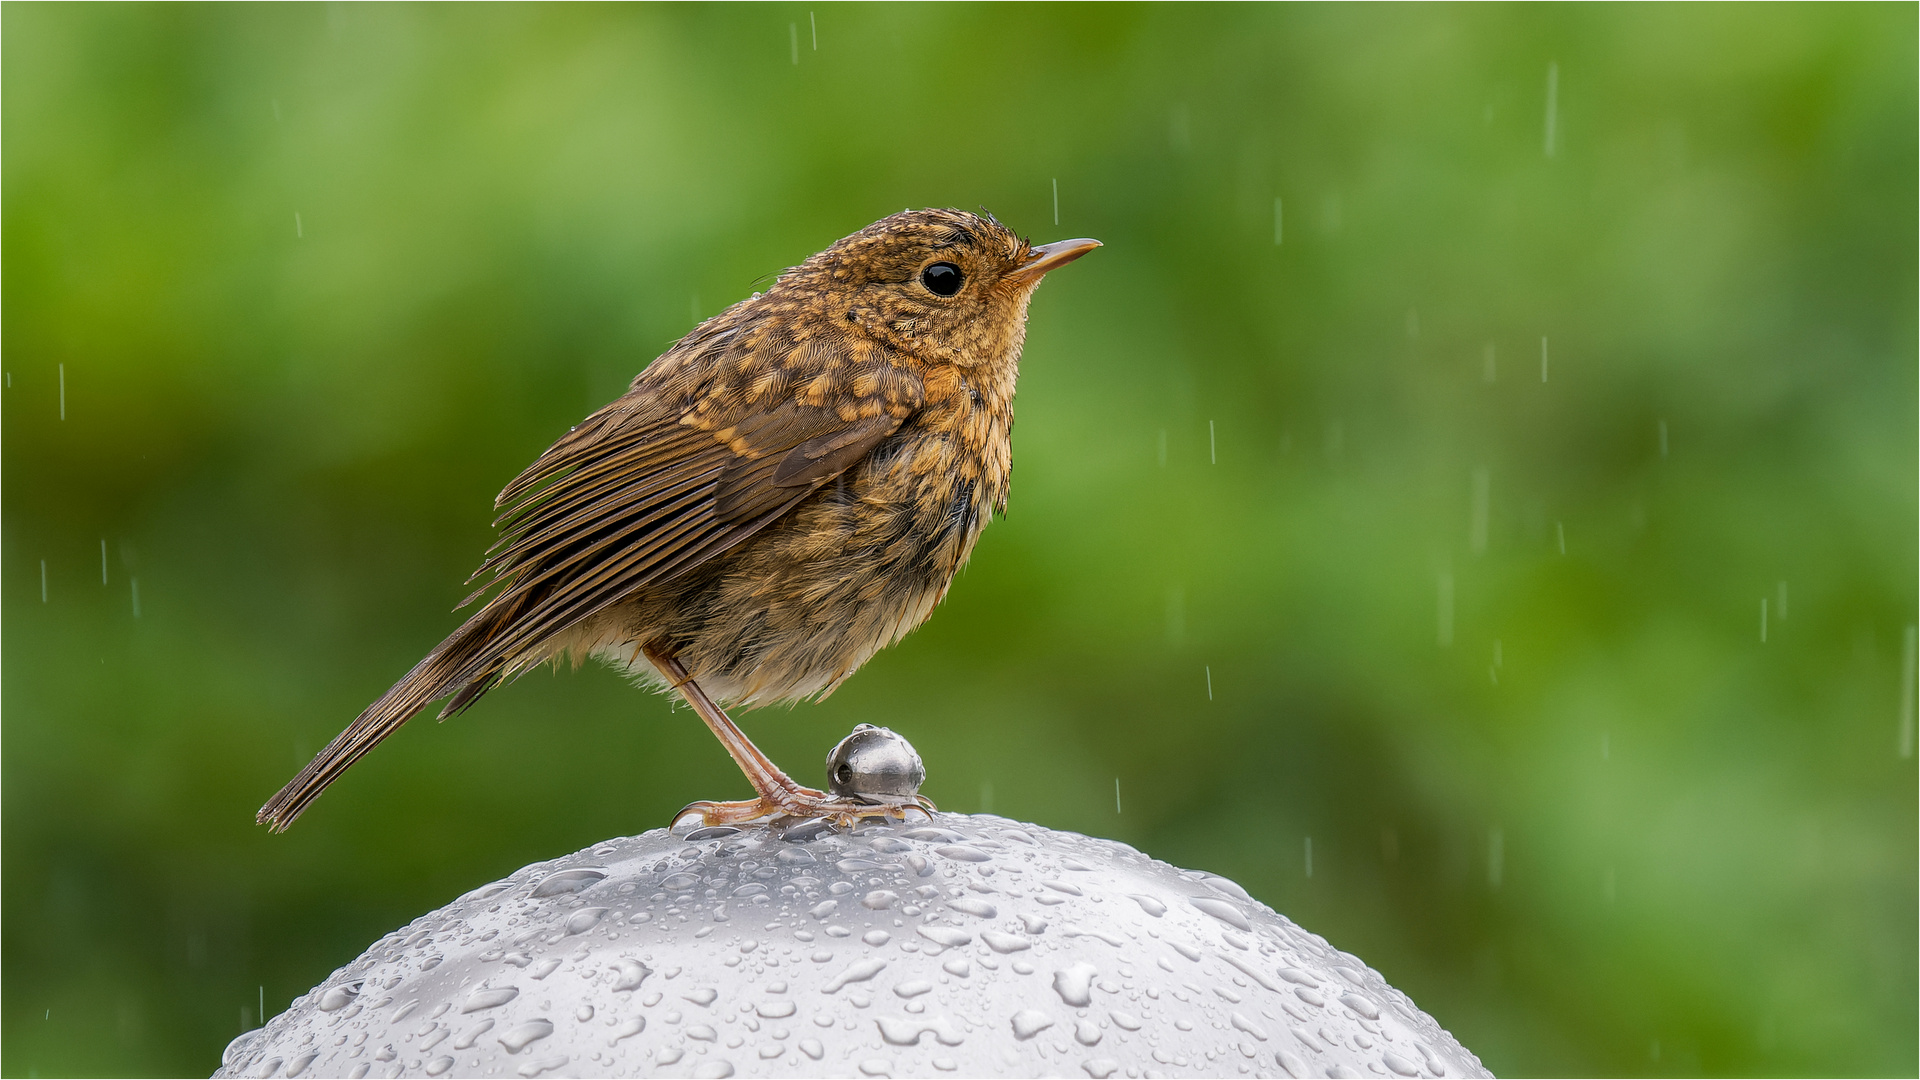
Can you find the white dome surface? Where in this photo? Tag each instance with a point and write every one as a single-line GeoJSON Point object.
{"type": "Point", "coordinates": [968, 946]}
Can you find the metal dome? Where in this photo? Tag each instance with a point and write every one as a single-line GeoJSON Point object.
{"type": "Point", "coordinates": [968, 946]}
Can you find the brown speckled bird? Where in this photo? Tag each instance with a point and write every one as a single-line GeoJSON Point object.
{"type": "Point", "coordinates": [786, 491]}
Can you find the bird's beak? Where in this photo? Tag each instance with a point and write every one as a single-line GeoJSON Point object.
{"type": "Point", "coordinates": [1051, 257]}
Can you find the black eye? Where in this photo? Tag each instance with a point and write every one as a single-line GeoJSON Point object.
{"type": "Point", "coordinates": [942, 278]}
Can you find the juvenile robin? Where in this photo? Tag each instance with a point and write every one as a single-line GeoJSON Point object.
{"type": "Point", "coordinates": [786, 491]}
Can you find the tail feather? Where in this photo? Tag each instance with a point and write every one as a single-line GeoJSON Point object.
{"type": "Point", "coordinates": [459, 666]}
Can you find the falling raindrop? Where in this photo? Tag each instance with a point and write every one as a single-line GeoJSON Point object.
{"type": "Point", "coordinates": [1907, 661]}
{"type": "Point", "coordinates": [1213, 457]}
{"type": "Point", "coordinates": [103, 561]}
{"type": "Point", "coordinates": [1116, 794]}
{"type": "Point", "coordinates": [1482, 495]}
{"type": "Point", "coordinates": [63, 391]}
{"type": "Point", "coordinates": [1056, 200]}
{"type": "Point", "coordinates": [793, 42]}
{"type": "Point", "coordinates": [1763, 620]}
{"type": "Point", "coordinates": [299, 230]}
{"type": "Point", "coordinates": [1553, 104]}
{"type": "Point", "coordinates": [43, 581]}
{"type": "Point", "coordinates": [1543, 358]}
{"type": "Point", "coordinates": [815, 28]}
{"type": "Point", "coordinates": [1209, 683]}
{"type": "Point", "coordinates": [1781, 597]}
{"type": "Point", "coordinates": [1279, 231]}
{"type": "Point", "coordinates": [1560, 534]}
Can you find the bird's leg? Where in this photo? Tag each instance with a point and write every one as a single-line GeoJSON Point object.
{"type": "Point", "coordinates": [780, 795]}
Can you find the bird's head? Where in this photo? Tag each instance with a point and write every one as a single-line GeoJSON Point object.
{"type": "Point", "coordinates": [945, 286]}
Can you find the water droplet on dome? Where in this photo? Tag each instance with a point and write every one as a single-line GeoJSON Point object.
{"type": "Point", "coordinates": [489, 998]}
{"type": "Point", "coordinates": [1070, 890]}
{"type": "Point", "coordinates": [812, 1048]}
{"type": "Point", "coordinates": [584, 920]}
{"type": "Point", "coordinates": [1221, 910]}
{"type": "Point", "coordinates": [971, 906]}
{"type": "Point", "coordinates": [519, 1036]}
{"type": "Point", "coordinates": [876, 1067]}
{"type": "Point", "coordinates": [629, 974]}
{"type": "Point", "coordinates": [630, 1027]}
{"type": "Point", "coordinates": [1361, 1005]}
{"type": "Point", "coordinates": [337, 997]}
{"type": "Point", "coordinates": [796, 856]}
{"type": "Point", "coordinates": [568, 881]}
{"type": "Point", "coordinates": [860, 972]}
{"type": "Point", "coordinates": [539, 1065]}
{"type": "Point", "coordinates": [880, 899]}
{"type": "Point", "coordinates": [963, 853]}
{"type": "Point", "coordinates": [435, 1067]}
{"type": "Point", "coordinates": [1148, 904]}
{"type": "Point", "coordinates": [957, 967]}
{"type": "Point", "coordinates": [1030, 1022]}
{"type": "Point", "coordinates": [717, 1069]}
{"type": "Point", "coordinates": [944, 936]}
{"type": "Point", "coordinates": [1100, 1068]}
{"type": "Point", "coordinates": [1125, 1019]}
{"type": "Point", "coordinates": [1075, 984]}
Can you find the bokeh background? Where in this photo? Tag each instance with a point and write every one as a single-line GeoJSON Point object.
{"type": "Point", "coordinates": [1470, 500]}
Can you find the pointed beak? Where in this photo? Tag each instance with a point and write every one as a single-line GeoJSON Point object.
{"type": "Point", "coordinates": [1051, 257]}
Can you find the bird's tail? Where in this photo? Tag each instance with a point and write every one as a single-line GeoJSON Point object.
{"type": "Point", "coordinates": [459, 666]}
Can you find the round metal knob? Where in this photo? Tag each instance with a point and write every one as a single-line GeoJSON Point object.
{"type": "Point", "coordinates": [875, 765]}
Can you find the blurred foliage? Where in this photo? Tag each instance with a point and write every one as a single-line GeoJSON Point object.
{"type": "Point", "coordinates": [1427, 529]}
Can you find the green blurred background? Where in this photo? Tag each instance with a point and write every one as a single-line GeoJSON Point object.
{"type": "Point", "coordinates": [1405, 558]}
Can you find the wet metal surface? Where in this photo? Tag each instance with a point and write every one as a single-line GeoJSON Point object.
{"type": "Point", "coordinates": [971, 946]}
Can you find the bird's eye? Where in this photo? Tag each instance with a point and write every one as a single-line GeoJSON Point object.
{"type": "Point", "coordinates": [942, 278]}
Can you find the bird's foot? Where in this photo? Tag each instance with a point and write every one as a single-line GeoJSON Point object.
{"type": "Point", "coordinates": [802, 804]}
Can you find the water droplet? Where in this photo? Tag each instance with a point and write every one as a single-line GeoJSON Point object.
{"type": "Point", "coordinates": [434, 1068]}
{"type": "Point", "coordinates": [518, 1037]}
{"type": "Point", "coordinates": [630, 1027]}
{"type": "Point", "coordinates": [1149, 905]}
{"type": "Point", "coordinates": [1228, 886]}
{"type": "Point", "coordinates": [963, 853]}
{"type": "Point", "coordinates": [717, 1069]}
{"type": "Point", "coordinates": [1005, 943]}
{"type": "Point", "coordinates": [812, 1048]}
{"type": "Point", "coordinates": [1033, 924]}
{"type": "Point", "coordinates": [1240, 1021]}
{"type": "Point", "coordinates": [860, 972]}
{"type": "Point", "coordinates": [1070, 890]}
{"type": "Point", "coordinates": [876, 1067]}
{"type": "Point", "coordinates": [1361, 1005]}
{"type": "Point", "coordinates": [944, 836]}
{"type": "Point", "coordinates": [630, 974]}
{"type": "Point", "coordinates": [1075, 984]}
{"type": "Point", "coordinates": [1399, 1064]}
{"type": "Point", "coordinates": [796, 856]}
{"type": "Point", "coordinates": [876, 938]}
{"type": "Point", "coordinates": [889, 845]}
{"type": "Point", "coordinates": [473, 1035]}
{"type": "Point", "coordinates": [568, 881]}
{"type": "Point", "coordinates": [1221, 910]}
{"type": "Point", "coordinates": [879, 899]}
{"type": "Point", "coordinates": [957, 967]}
{"type": "Point", "coordinates": [299, 1065]}
{"type": "Point", "coordinates": [1086, 1032]}
{"type": "Point", "coordinates": [489, 998]}
{"type": "Point", "coordinates": [585, 919]}
{"type": "Point", "coordinates": [337, 997]}
{"type": "Point", "coordinates": [713, 832]}
{"type": "Point", "coordinates": [1309, 997]}
{"type": "Point", "coordinates": [702, 1032]}
{"type": "Point", "coordinates": [1291, 1064]}
{"type": "Point", "coordinates": [681, 881]}
{"type": "Point", "coordinates": [945, 936]}
{"type": "Point", "coordinates": [1030, 1022]}
{"type": "Point", "coordinates": [1295, 975]}
{"type": "Point", "coordinates": [970, 906]}
{"type": "Point", "coordinates": [702, 997]}
{"type": "Point", "coordinates": [405, 1011]}
{"type": "Point", "coordinates": [1100, 1068]}
{"type": "Point", "coordinates": [1250, 971]}
{"type": "Point", "coordinates": [1125, 1020]}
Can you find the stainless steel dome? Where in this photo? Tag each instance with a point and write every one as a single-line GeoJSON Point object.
{"type": "Point", "coordinates": [969, 946]}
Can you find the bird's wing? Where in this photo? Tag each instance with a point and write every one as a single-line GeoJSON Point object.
{"type": "Point", "coordinates": [640, 492]}
{"type": "Point", "coordinates": [637, 496]}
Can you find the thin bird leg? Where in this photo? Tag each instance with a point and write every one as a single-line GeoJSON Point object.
{"type": "Point", "coordinates": [780, 795]}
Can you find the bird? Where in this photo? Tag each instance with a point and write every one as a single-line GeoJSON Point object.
{"type": "Point", "coordinates": [782, 493]}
